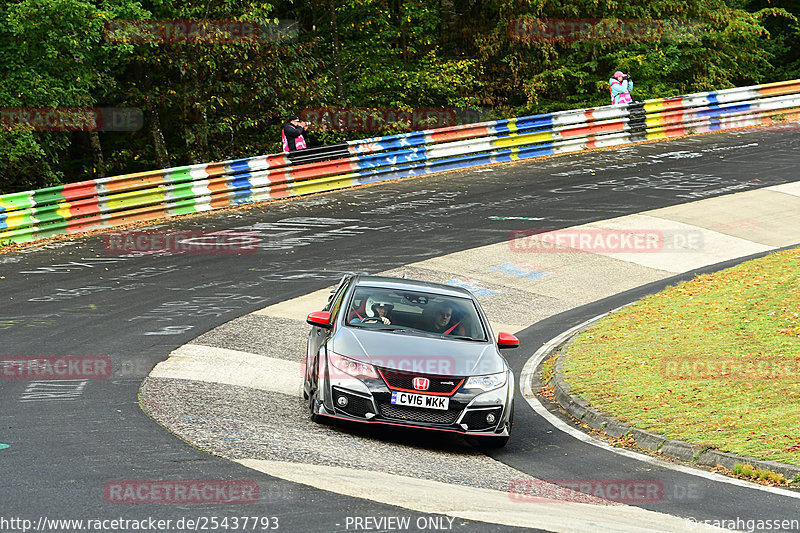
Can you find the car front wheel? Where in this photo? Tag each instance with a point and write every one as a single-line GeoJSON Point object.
{"type": "Point", "coordinates": [312, 408]}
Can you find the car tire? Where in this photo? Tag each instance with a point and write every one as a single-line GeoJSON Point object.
{"type": "Point", "coordinates": [312, 408]}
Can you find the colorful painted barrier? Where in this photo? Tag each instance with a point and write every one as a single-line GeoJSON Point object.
{"type": "Point", "coordinates": [146, 196]}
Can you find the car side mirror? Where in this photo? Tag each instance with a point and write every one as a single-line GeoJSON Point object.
{"type": "Point", "coordinates": [321, 319]}
{"type": "Point", "coordinates": [507, 340]}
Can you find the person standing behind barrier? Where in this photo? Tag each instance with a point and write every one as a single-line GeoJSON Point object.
{"type": "Point", "coordinates": [292, 134]}
{"type": "Point", "coordinates": [621, 87]}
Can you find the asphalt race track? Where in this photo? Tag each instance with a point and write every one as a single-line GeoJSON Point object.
{"type": "Point", "coordinates": [67, 440]}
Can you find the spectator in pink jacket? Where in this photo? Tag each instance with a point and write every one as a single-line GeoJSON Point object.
{"type": "Point", "coordinates": [292, 134]}
{"type": "Point", "coordinates": [621, 87]}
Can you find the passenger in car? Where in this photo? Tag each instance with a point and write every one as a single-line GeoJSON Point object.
{"type": "Point", "coordinates": [439, 319]}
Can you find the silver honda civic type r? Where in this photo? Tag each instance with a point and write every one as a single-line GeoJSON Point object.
{"type": "Point", "coordinates": [409, 353]}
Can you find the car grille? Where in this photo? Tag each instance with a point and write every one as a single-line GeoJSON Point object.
{"type": "Point", "coordinates": [476, 420]}
{"type": "Point", "coordinates": [356, 405]}
{"type": "Point", "coordinates": [415, 414]}
{"type": "Point", "coordinates": [399, 380]}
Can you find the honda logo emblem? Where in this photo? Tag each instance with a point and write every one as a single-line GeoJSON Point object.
{"type": "Point", "coordinates": [421, 383]}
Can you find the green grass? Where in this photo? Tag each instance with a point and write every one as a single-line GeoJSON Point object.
{"type": "Point", "coordinates": [749, 472]}
{"type": "Point", "coordinates": [714, 361]}
{"type": "Point", "coordinates": [548, 369]}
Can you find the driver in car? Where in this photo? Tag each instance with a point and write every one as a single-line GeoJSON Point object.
{"type": "Point", "coordinates": [376, 309]}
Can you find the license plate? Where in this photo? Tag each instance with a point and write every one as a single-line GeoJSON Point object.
{"type": "Point", "coordinates": [420, 400]}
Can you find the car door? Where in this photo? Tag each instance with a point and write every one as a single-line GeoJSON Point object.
{"type": "Point", "coordinates": [318, 335]}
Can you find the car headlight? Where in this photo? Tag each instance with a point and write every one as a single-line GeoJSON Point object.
{"type": "Point", "coordinates": [351, 367]}
{"type": "Point", "coordinates": [488, 382]}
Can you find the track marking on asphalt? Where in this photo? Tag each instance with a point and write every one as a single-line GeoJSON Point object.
{"type": "Point", "coordinates": [491, 506]}
{"type": "Point", "coordinates": [770, 217]}
{"type": "Point", "coordinates": [196, 362]}
{"type": "Point", "coordinates": [527, 392]}
{"type": "Point", "coordinates": [690, 246]}
{"type": "Point", "coordinates": [787, 188]}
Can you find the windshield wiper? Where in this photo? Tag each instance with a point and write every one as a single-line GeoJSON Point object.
{"type": "Point", "coordinates": [465, 338]}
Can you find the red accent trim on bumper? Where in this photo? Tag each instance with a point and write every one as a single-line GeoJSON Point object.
{"type": "Point", "coordinates": [448, 430]}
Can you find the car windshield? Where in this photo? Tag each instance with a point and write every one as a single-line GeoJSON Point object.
{"type": "Point", "coordinates": [415, 312]}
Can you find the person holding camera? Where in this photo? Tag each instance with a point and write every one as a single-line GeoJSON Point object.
{"type": "Point", "coordinates": [292, 134]}
{"type": "Point", "coordinates": [621, 86]}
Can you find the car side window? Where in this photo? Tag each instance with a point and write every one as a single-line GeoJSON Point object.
{"type": "Point", "coordinates": [337, 292]}
{"type": "Point", "coordinates": [336, 302]}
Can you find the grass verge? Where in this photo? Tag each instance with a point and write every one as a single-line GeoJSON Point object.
{"type": "Point", "coordinates": [714, 361]}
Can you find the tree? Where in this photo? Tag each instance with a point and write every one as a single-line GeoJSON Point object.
{"type": "Point", "coordinates": [670, 47]}
{"type": "Point", "coordinates": [218, 97]}
{"type": "Point", "coordinates": [54, 56]}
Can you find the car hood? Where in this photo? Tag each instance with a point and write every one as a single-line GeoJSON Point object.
{"type": "Point", "coordinates": [418, 353]}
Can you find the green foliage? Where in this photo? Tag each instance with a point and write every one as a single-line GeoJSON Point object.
{"type": "Point", "coordinates": [26, 159]}
{"type": "Point", "coordinates": [548, 369]}
{"type": "Point", "coordinates": [54, 56]}
{"type": "Point", "coordinates": [763, 476]}
{"type": "Point", "coordinates": [392, 57]}
{"type": "Point", "coordinates": [689, 46]}
{"type": "Point", "coordinates": [205, 101]}
{"type": "Point", "coordinates": [216, 100]}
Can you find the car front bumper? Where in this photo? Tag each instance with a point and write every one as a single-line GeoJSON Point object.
{"type": "Point", "coordinates": [369, 401]}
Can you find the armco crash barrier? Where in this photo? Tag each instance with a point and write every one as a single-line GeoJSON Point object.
{"type": "Point", "coordinates": [109, 202]}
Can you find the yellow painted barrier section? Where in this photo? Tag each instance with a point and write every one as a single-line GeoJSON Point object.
{"type": "Point", "coordinates": [516, 140]}
{"type": "Point", "coordinates": [512, 125]}
{"type": "Point", "coordinates": [19, 219]}
{"type": "Point", "coordinates": [63, 209]}
{"type": "Point", "coordinates": [323, 184]}
{"type": "Point", "coordinates": [134, 198]}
